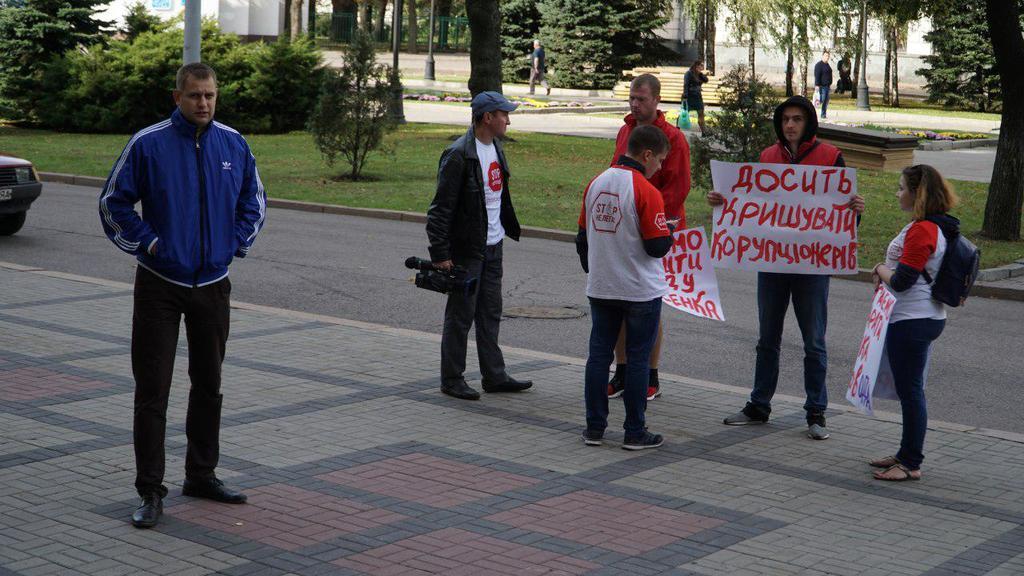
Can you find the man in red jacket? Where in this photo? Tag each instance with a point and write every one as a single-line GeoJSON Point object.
{"type": "Point", "coordinates": [672, 180]}
{"type": "Point", "coordinates": [796, 126]}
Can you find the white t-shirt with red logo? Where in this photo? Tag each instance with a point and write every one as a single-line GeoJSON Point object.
{"type": "Point", "coordinates": [920, 245]}
{"type": "Point", "coordinates": [493, 186]}
{"type": "Point", "coordinates": [620, 210]}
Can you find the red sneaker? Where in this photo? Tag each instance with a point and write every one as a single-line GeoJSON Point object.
{"type": "Point", "coordinates": [653, 392]}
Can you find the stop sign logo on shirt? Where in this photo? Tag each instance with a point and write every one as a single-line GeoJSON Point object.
{"type": "Point", "coordinates": [494, 177]}
{"type": "Point", "coordinates": [606, 213]}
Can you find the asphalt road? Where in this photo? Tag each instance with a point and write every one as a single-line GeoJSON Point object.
{"type": "Point", "coordinates": [352, 268]}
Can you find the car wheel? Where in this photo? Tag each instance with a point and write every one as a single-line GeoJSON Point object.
{"type": "Point", "coordinates": [11, 223]}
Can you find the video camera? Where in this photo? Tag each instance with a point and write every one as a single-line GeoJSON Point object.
{"type": "Point", "coordinates": [454, 281]}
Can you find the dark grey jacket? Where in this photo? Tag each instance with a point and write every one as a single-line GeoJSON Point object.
{"type": "Point", "coordinates": [457, 217]}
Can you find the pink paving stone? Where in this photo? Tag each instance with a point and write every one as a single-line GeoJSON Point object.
{"type": "Point", "coordinates": [598, 520]}
{"type": "Point", "coordinates": [271, 516]}
{"type": "Point", "coordinates": [428, 480]}
{"type": "Point", "coordinates": [22, 384]}
{"type": "Point", "coordinates": [453, 552]}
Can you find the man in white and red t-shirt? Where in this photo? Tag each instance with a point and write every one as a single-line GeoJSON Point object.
{"type": "Point", "coordinates": [623, 234]}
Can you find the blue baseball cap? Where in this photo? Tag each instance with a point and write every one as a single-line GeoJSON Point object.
{"type": "Point", "coordinates": [491, 101]}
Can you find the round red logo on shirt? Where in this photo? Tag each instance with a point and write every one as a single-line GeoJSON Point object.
{"type": "Point", "coordinates": [494, 177]}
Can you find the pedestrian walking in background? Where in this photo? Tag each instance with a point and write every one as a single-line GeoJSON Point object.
{"type": "Point", "coordinates": [693, 91]}
{"type": "Point", "coordinates": [913, 257]}
{"type": "Point", "coordinates": [538, 68]}
{"type": "Point", "coordinates": [623, 235]}
{"type": "Point", "coordinates": [203, 204]}
{"type": "Point", "coordinates": [823, 81]}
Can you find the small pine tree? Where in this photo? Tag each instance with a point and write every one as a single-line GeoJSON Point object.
{"type": "Point", "coordinates": [33, 34]}
{"type": "Point", "coordinates": [961, 70]}
{"type": "Point", "coordinates": [353, 112]}
{"type": "Point", "coordinates": [588, 44]}
{"type": "Point", "coordinates": [139, 20]}
{"type": "Point", "coordinates": [520, 26]}
{"type": "Point", "coordinates": [741, 129]}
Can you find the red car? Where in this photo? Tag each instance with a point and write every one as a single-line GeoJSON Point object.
{"type": "Point", "coordinates": [19, 187]}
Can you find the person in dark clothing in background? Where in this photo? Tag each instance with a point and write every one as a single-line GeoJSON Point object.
{"type": "Point", "coordinates": [823, 81]}
{"type": "Point", "coordinates": [844, 84]}
{"type": "Point", "coordinates": [692, 92]}
{"type": "Point", "coordinates": [538, 68]}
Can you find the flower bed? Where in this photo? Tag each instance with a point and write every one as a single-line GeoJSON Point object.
{"type": "Point", "coordinates": [465, 98]}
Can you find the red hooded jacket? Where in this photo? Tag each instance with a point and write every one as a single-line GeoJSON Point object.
{"type": "Point", "coordinates": [811, 152]}
{"type": "Point", "coordinates": [673, 180]}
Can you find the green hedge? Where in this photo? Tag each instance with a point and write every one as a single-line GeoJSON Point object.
{"type": "Point", "coordinates": [126, 86]}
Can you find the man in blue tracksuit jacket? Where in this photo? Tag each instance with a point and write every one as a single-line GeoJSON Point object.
{"type": "Point", "coordinates": [202, 205]}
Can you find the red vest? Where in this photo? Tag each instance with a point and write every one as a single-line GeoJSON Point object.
{"type": "Point", "coordinates": [812, 153]}
{"type": "Point", "coordinates": [673, 180]}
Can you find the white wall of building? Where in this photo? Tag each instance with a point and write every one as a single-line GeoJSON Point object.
{"type": "Point", "coordinates": [247, 18]}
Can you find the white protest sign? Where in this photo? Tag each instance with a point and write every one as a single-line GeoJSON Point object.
{"type": "Point", "coordinates": [866, 370]}
{"type": "Point", "coordinates": [692, 286]}
{"type": "Point", "coordinates": [785, 218]}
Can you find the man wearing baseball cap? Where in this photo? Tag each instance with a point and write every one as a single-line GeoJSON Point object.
{"type": "Point", "coordinates": [466, 223]}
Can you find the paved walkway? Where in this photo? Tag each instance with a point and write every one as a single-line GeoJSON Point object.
{"type": "Point", "coordinates": [355, 464]}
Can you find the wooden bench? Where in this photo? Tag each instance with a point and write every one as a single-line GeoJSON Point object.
{"type": "Point", "coordinates": [871, 149]}
{"type": "Point", "coordinates": [671, 78]}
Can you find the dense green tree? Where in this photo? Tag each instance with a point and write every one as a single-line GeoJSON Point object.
{"type": "Point", "coordinates": [589, 44]}
{"type": "Point", "coordinates": [520, 26]}
{"type": "Point", "coordinates": [30, 35]}
{"type": "Point", "coordinates": [961, 71]}
{"type": "Point", "coordinates": [139, 20]}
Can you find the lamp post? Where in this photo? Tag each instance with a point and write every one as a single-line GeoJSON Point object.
{"type": "Point", "coordinates": [863, 95]}
{"type": "Point", "coordinates": [193, 27]}
{"type": "Point", "coordinates": [397, 111]}
{"type": "Point", "coordinates": [428, 73]}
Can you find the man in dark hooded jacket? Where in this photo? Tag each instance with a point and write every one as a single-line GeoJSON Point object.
{"type": "Point", "coordinates": [796, 126]}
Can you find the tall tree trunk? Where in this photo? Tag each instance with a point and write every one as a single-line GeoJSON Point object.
{"type": "Point", "coordinates": [700, 37]}
{"type": "Point", "coordinates": [804, 53]}
{"type": "Point", "coordinates": [752, 46]}
{"type": "Point", "coordinates": [485, 45]}
{"type": "Point", "coordinates": [896, 70]}
{"type": "Point", "coordinates": [711, 28]}
{"type": "Point", "coordinates": [378, 24]}
{"type": "Point", "coordinates": [1006, 190]}
{"type": "Point", "coordinates": [296, 19]}
{"type": "Point", "coordinates": [789, 55]}
{"type": "Point", "coordinates": [413, 26]}
{"type": "Point", "coordinates": [887, 86]}
{"type": "Point", "coordinates": [364, 16]}
{"type": "Point", "coordinates": [858, 55]}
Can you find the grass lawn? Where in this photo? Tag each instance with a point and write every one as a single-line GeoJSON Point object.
{"type": "Point", "coordinates": [548, 176]}
{"type": "Point", "coordinates": [909, 106]}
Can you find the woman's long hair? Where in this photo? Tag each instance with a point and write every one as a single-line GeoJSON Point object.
{"type": "Point", "coordinates": [932, 193]}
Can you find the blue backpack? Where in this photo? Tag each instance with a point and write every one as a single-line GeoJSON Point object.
{"type": "Point", "coordinates": [959, 268]}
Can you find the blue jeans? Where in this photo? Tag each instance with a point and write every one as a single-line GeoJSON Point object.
{"type": "Point", "coordinates": [810, 303]}
{"type": "Point", "coordinates": [641, 319]}
{"type": "Point", "coordinates": [823, 92]}
{"type": "Point", "coordinates": [907, 343]}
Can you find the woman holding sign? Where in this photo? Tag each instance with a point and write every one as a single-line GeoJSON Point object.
{"type": "Point", "coordinates": [917, 318]}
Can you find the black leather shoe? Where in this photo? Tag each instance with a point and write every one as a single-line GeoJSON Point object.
{"type": "Point", "coordinates": [212, 489]}
{"type": "Point", "coordinates": [459, 389]}
{"type": "Point", "coordinates": [510, 385]}
{"type": "Point", "coordinates": [149, 511]}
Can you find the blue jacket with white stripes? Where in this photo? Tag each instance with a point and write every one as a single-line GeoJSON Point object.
{"type": "Point", "coordinates": [202, 200]}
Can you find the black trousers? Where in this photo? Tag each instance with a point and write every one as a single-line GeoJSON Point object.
{"type": "Point", "coordinates": [159, 306]}
{"type": "Point", "coordinates": [484, 308]}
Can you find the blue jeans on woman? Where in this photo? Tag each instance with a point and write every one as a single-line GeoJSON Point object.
{"type": "Point", "coordinates": [908, 343]}
{"type": "Point", "coordinates": [607, 316]}
{"type": "Point", "coordinates": [823, 93]}
{"type": "Point", "coordinates": [809, 294]}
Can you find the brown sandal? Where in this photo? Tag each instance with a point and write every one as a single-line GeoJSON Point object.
{"type": "Point", "coordinates": [887, 462]}
{"type": "Point", "coordinates": [906, 474]}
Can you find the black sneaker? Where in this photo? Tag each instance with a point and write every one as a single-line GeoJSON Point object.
{"type": "Point", "coordinates": [592, 437]}
{"type": "Point", "coordinates": [749, 415]}
{"type": "Point", "coordinates": [643, 441]}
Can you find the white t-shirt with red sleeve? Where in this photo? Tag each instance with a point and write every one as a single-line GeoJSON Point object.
{"type": "Point", "coordinates": [493, 186]}
{"type": "Point", "coordinates": [620, 210]}
{"type": "Point", "coordinates": [920, 245]}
